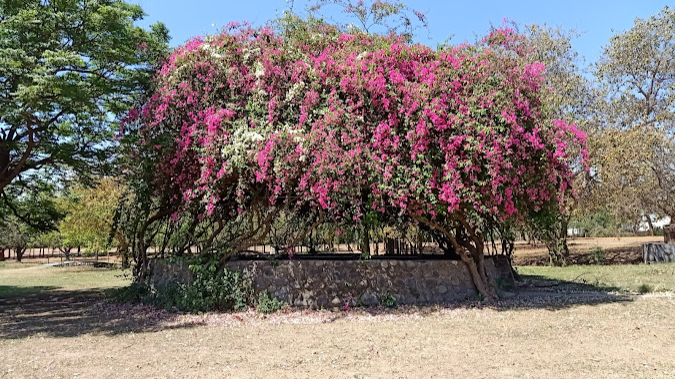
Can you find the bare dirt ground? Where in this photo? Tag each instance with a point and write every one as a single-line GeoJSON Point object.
{"type": "Point", "coordinates": [65, 329]}
{"type": "Point", "coordinates": [589, 339]}
{"type": "Point", "coordinates": [617, 250]}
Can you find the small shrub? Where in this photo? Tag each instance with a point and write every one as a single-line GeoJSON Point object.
{"type": "Point", "coordinates": [365, 255]}
{"type": "Point", "coordinates": [347, 306]}
{"type": "Point", "coordinates": [133, 293]}
{"type": "Point", "coordinates": [597, 256]}
{"type": "Point", "coordinates": [265, 303]}
{"type": "Point", "coordinates": [645, 288]}
{"type": "Point", "coordinates": [169, 297]}
{"type": "Point", "coordinates": [388, 300]}
{"type": "Point", "coordinates": [351, 302]}
{"type": "Point", "coordinates": [274, 262]}
{"type": "Point", "coordinates": [210, 290]}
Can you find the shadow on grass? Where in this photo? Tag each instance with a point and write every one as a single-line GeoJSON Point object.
{"type": "Point", "coordinates": [9, 292]}
{"type": "Point", "coordinates": [542, 292]}
{"type": "Point", "coordinates": [533, 292]}
{"type": "Point", "coordinates": [580, 283]}
{"type": "Point", "coordinates": [51, 312]}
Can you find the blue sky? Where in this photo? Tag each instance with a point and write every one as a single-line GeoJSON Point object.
{"type": "Point", "coordinates": [461, 20]}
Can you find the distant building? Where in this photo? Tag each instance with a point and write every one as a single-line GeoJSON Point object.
{"type": "Point", "coordinates": [574, 232]}
{"type": "Point", "coordinates": [644, 226]}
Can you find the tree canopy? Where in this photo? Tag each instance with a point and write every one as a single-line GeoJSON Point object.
{"type": "Point", "coordinates": [633, 144]}
{"type": "Point", "coordinates": [68, 70]}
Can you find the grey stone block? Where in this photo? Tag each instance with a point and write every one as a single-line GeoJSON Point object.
{"type": "Point", "coordinates": [368, 299]}
{"type": "Point", "coordinates": [658, 252]}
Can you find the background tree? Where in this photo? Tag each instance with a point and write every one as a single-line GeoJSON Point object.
{"type": "Point", "coordinates": [89, 217]}
{"type": "Point", "coordinates": [568, 95]}
{"type": "Point", "coordinates": [16, 236]}
{"type": "Point", "coordinates": [632, 149]}
{"type": "Point", "coordinates": [383, 17]}
{"type": "Point", "coordinates": [31, 202]}
{"type": "Point", "coordinates": [69, 70]}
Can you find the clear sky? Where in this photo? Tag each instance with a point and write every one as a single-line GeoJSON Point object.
{"type": "Point", "coordinates": [461, 20]}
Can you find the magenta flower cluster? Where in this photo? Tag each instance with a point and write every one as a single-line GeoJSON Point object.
{"type": "Point", "coordinates": [345, 124]}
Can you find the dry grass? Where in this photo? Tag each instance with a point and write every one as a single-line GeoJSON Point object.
{"type": "Point", "coordinates": [580, 245]}
{"type": "Point", "coordinates": [619, 250]}
{"type": "Point", "coordinates": [609, 340]}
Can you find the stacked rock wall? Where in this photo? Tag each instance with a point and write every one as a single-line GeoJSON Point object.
{"type": "Point", "coordinates": [658, 252]}
{"type": "Point", "coordinates": [316, 283]}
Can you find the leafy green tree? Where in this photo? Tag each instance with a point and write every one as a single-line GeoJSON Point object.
{"type": "Point", "coordinates": [69, 70]}
{"type": "Point", "coordinates": [31, 202]}
{"type": "Point", "coordinates": [47, 240]}
{"type": "Point", "coordinates": [15, 236]}
{"type": "Point", "coordinates": [89, 217]}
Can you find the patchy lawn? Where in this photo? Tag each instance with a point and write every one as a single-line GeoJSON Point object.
{"type": "Point", "coordinates": [65, 329]}
{"type": "Point", "coordinates": [22, 279]}
{"type": "Point", "coordinates": [629, 278]}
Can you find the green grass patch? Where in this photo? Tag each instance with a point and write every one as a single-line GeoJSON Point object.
{"type": "Point", "coordinates": [14, 265]}
{"type": "Point", "coordinates": [24, 279]}
{"type": "Point", "coordinates": [628, 278]}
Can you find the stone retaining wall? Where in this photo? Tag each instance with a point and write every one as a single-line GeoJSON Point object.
{"type": "Point", "coordinates": [324, 283]}
{"type": "Point", "coordinates": [658, 252]}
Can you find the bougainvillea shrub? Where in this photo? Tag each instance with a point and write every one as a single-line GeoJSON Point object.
{"type": "Point", "coordinates": [336, 126]}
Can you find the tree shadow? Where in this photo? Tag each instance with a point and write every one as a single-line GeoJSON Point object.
{"type": "Point", "coordinates": [541, 292]}
{"type": "Point", "coordinates": [580, 284]}
{"type": "Point", "coordinates": [52, 312]}
{"type": "Point", "coordinates": [533, 292]}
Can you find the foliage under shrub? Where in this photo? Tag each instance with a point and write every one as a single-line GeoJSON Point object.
{"type": "Point", "coordinates": [210, 290]}
{"type": "Point", "coordinates": [598, 256]}
{"type": "Point", "coordinates": [388, 300]}
{"type": "Point", "coordinates": [265, 303]}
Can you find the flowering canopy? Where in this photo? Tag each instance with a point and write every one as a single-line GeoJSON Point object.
{"type": "Point", "coordinates": [348, 123]}
{"type": "Point", "coordinates": [340, 125]}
